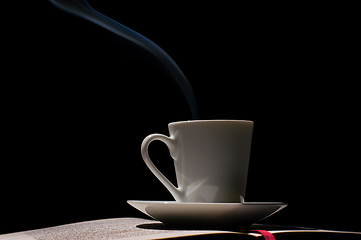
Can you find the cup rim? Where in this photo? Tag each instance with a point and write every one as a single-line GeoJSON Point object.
{"type": "Point", "coordinates": [210, 121]}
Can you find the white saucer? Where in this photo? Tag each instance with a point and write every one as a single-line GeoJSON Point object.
{"type": "Point", "coordinates": [197, 214]}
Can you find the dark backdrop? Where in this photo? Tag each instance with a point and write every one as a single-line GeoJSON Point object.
{"type": "Point", "coordinates": [77, 102]}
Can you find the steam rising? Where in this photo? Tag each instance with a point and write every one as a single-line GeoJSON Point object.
{"type": "Point", "coordinates": [82, 8]}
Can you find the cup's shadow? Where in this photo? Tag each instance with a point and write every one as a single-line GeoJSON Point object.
{"type": "Point", "coordinates": [162, 226]}
{"type": "Point", "coordinates": [155, 226]}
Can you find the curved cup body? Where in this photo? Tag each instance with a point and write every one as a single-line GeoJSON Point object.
{"type": "Point", "coordinates": [211, 159]}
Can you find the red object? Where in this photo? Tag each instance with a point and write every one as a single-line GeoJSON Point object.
{"type": "Point", "coordinates": [266, 234]}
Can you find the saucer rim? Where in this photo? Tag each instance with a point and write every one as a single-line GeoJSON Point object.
{"type": "Point", "coordinates": [257, 211]}
{"type": "Point", "coordinates": [207, 203]}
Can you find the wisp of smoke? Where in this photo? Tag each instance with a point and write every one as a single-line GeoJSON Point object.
{"type": "Point", "coordinates": [82, 8]}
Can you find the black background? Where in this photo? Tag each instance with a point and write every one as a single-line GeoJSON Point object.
{"type": "Point", "coordinates": [78, 100]}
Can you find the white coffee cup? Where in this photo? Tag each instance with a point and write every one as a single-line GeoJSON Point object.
{"type": "Point", "coordinates": [211, 159]}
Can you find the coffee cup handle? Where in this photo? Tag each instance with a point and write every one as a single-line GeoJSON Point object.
{"type": "Point", "coordinates": [170, 142]}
